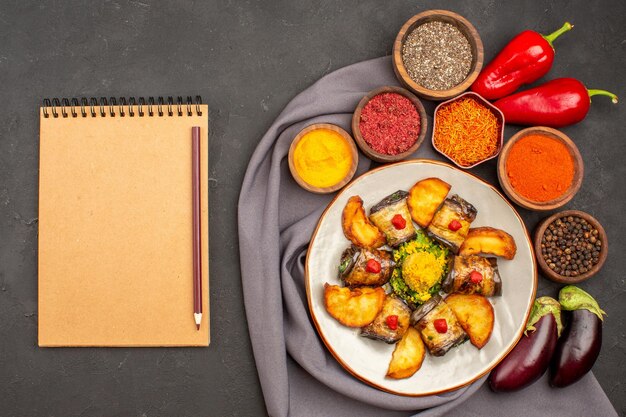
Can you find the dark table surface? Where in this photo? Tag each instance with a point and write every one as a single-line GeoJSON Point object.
{"type": "Point", "coordinates": [247, 59]}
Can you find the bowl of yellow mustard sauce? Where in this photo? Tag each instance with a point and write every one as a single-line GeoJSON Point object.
{"type": "Point", "coordinates": [323, 158]}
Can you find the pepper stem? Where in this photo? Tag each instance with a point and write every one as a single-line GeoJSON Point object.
{"type": "Point", "coordinates": [567, 26]}
{"type": "Point", "coordinates": [602, 93]}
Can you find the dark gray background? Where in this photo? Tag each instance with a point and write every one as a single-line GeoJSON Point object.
{"type": "Point", "coordinates": [247, 60]}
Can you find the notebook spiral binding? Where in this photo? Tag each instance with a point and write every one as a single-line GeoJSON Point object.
{"type": "Point", "coordinates": [123, 108]}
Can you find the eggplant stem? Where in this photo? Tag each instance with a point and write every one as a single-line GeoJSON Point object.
{"type": "Point", "coordinates": [602, 93]}
{"type": "Point", "coordinates": [541, 307]}
{"type": "Point", "coordinates": [567, 26]}
{"type": "Point", "coordinates": [573, 298]}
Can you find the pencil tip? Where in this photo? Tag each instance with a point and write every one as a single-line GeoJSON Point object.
{"type": "Point", "coordinates": [197, 327]}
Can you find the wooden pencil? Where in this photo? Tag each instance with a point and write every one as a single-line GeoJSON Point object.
{"type": "Point", "coordinates": [197, 241]}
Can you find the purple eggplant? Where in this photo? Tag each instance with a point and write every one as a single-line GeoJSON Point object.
{"type": "Point", "coordinates": [530, 358]}
{"type": "Point", "coordinates": [579, 347]}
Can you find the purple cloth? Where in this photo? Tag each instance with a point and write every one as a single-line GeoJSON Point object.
{"type": "Point", "coordinates": [298, 375]}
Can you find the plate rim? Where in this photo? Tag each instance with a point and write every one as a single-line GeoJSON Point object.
{"type": "Point", "coordinates": [309, 295]}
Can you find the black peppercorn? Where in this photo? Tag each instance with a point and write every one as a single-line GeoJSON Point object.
{"type": "Point", "coordinates": [571, 246]}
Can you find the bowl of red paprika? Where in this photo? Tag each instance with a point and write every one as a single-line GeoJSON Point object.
{"type": "Point", "coordinates": [540, 168]}
{"type": "Point", "coordinates": [389, 124]}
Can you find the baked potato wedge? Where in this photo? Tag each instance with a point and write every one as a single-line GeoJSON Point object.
{"type": "Point", "coordinates": [475, 315]}
{"type": "Point", "coordinates": [488, 240]}
{"type": "Point", "coordinates": [356, 226]}
{"type": "Point", "coordinates": [425, 198]}
{"type": "Point", "coordinates": [408, 356]}
{"type": "Point", "coordinates": [353, 308]}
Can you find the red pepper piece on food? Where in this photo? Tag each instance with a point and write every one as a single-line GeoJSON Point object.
{"type": "Point", "coordinates": [398, 222]}
{"type": "Point", "coordinates": [441, 325]}
{"type": "Point", "coordinates": [392, 322]}
{"type": "Point", "coordinates": [528, 57]}
{"type": "Point", "coordinates": [557, 103]}
{"type": "Point", "coordinates": [454, 225]}
{"type": "Point", "coordinates": [372, 266]}
{"type": "Point", "coordinates": [475, 277]}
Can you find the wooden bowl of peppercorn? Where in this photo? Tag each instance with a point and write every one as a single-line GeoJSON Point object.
{"type": "Point", "coordinates": [442, 74]}
{"type": "Point", "coordinates": [390, 125]}
{"type": "Point", "coordinates": [571, 246]}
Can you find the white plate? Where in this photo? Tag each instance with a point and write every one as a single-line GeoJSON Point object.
{"type": "Point", "coordinates": [368, 359]}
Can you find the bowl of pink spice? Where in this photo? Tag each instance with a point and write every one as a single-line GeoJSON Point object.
{"type": "Point", "coordinates": [389, 124]}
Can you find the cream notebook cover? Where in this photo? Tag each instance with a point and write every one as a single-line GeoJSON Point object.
{"type": "Point", "coordinates": [115, 225]}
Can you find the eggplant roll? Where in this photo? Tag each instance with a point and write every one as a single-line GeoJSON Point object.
{"type": "Point", "coordinates": [382, 215]}
{"type": "Point", "coordinates": [424, 318]}
{"type": "Point", "coordinates": [459, 278]}
{"type": "Point", "coordinates": [385, 329]}
{"type": "Point", "coordinates": [353, 268]}
{"type": "Point", "coordinates": [451, 222]}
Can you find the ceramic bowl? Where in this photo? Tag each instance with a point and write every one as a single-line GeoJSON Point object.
{"type": "Point", "coordinates": [487, 104]}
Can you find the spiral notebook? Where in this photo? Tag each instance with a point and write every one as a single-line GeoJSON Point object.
{"type": "Point", "coordinates": [115, 222]}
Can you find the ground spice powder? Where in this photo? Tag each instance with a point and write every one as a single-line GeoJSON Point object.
{"type": "Point", "coordinates": [390, 123]}
{"type": "Point", "coordinates": [540, 168]}
{"type": "Point", "coordinates": [437, 55]}
{"type": "Point", "coordinates": [322, 158]}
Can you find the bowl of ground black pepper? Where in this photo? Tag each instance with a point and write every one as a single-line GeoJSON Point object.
{"type": "Point", "coordinates": [437, 54]}
{"type": "Point", "coordinates": [389, 124]}
{"type": "Point", "coordinates": [571, 246]}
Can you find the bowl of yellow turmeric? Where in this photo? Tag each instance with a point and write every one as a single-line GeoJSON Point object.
{"type": "Point", "coordinates": [323, 158]}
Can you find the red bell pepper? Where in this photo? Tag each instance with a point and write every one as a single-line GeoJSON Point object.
{"type": "Point", "coordinates": [557, 103]}
{"type": "Point", "coordinates": [528, 57]}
